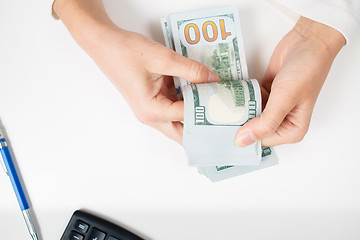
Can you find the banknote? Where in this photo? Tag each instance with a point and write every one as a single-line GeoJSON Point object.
{"type": "Point", "coordinates": [212, 37]}
{"type": "Point", "coordinates": [169, 41]}
{"type": "Point", "coordinates": [213, 113]}
{"type": "Point", "coordinates": [218, 173]}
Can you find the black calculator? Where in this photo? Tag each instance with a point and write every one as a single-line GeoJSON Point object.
{"type": "Point", "coordinates": [85, 226]}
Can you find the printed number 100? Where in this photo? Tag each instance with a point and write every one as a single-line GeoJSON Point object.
{"type": "Point", "coordinates": [206, 25]}
{"type": "Point", "coordinates": [199, 115]}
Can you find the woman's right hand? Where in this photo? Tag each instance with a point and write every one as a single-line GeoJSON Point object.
{"type": "Point", "coordinates": [140, 68]}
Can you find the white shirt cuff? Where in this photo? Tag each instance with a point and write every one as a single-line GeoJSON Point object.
{"type": "Point", "coordinates": [342, 15]}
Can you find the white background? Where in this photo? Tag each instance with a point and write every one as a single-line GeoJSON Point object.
{"type": "Point", "coordinates": [78, 145]}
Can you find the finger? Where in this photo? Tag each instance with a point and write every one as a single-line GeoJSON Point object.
{"type": "Point", "coordinates": [173, 130]}
{"type": "Point", "coordinates": [272, 70]}
{"type": "Point", "coordinates": [169, 82]}
{"type": "Point", "coordinates": [292, 129]}
{"type": "Point", "coordinates": [264, 97]}
{"type": "Point", "coordinates": [281, 102]}
{"type": "Point", "coordinates": [166, 110]}
{"type": "Point", "coordinates": [276, 138]}
{"type": "Point", "coordinates": [173, 64]}
{"type": "Point", "coordinates": [170, 89]}
{"type": "Point", "coordinates": [268, 78]}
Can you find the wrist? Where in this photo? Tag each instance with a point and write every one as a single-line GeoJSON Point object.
{"type": "Point", "coordinates": [330, 40]}
{"type": "Point", "coordinates": [86, 20]}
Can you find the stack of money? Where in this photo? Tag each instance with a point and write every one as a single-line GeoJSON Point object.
{"type": "Point", "coordinates": [214, 112]}
{"type": "Point", "coordinates": [217, 173]}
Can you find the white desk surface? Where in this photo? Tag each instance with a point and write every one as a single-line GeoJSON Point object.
{"type": "Point", "coordinates": [78, 145]}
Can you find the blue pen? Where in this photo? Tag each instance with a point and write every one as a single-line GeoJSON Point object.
{"type": "Point", "coordinates": [10, 170]}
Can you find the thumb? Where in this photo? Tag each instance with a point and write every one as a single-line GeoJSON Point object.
{"type": "Point", "coordinates": [281, 102]}
{"type": "Point", "coordinates": [174, 64]}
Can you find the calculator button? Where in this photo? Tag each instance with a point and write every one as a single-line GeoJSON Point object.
{"type": "Point", "coordinates": [112, 238]}
{"type": "Point", "coordinates": [76, 236]}
{"type": "Point", "coordinates": [96, 235]}
{"type": "Point", "coordinates": [80, 226]}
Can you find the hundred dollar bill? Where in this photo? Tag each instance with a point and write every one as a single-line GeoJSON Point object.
{"type": "Point", "coordinates": [217, 173]}
{"type": "Point", "coordinates": [212, 37]}
{"type": "Point", "coordinates": [214, 112]}
{"type": "Point", "coordinates": [170, 44]}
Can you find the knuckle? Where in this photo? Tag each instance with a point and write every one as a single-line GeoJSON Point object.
{"type": "Point", "coordinates": [141, 118]}
{"type": "Point", "coordinates": [145, 116]}
{"type": "Point", "coordinates": [163, 59]}
{"type": "Point", "coordinates": [269, 125]}
{"type": "Point", "coordinates": [298, 135]}
{"type": "Point", "coordinates": [195, 70]}
{"type": "Point", "coordinates": [166, 56]}
{"type": "Point", "coordinates": [170, 55]}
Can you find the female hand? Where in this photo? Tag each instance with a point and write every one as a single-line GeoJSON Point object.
{"type": "Point", "coordinates": [140, 68]}
{"type": "Point", "coordinates": [296, 72]}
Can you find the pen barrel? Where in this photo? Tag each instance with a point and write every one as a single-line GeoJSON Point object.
{"type": "Point", "coordinates": [30, 224]}
{"type": "Point", "coordinates": [14, 178]}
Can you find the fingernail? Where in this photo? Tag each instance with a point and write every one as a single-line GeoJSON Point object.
{"type": "Point", "coordinates": [245, 139]}
{"type": "Point", "coordinates": [213, 77]}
